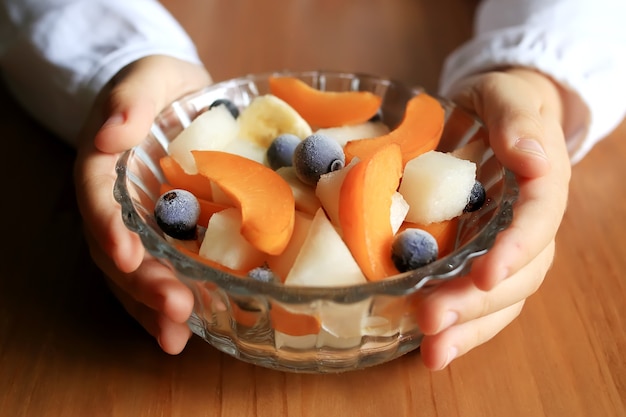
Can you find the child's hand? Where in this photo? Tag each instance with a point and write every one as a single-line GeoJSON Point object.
{"type": "Point", "coordinates": [120, 119]}
{"type": "Point", "coordinates": [522, 111]}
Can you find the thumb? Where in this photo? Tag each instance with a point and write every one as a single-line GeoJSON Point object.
{"type": "Point", "coordinates": [129, 120]}
{"type": "Point", "coordinates": [130, 109]}
{"type": "Point", "coordinates": [138, 93]}
{"type": "Point", "coordinates": [513, 110]}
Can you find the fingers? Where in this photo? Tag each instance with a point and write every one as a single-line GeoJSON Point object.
{"type": "Point", "coordinates": [153, 296]}
{"type": "Point", "coordinates": [522, 114]}
{"type": "Point", "coordinates": [516, 132]}
{"type": "Point", "coordinates": [514, 106]}
{"type": "Point", "coordinates": [459, 301]}
{"type": "Point", "coordinates": [121, 118]}
{"type": "Point", "coordinates": [129, 105]}
{"type": "Point", "coordinates": [95, 176]}
{"type": "Point", "coordinates": [537, 215]}
{"type": "Point", "coordinates": [439, 350]}
{"type": "Point", "coordinates": [130, 116]}
{"type": "Point", "coordinates": [152, 284]}
{"type": "Point", "coordinates": [172, 336]}
{"type": "Point", "coordinates": [146, 87]}
{"type": "Point", "coordinates": [458, 317]}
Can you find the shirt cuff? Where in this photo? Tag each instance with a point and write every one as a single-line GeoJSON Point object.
{"type": "Point", "coordinates": [64, 57]}
{"type": "Point", "coordinates": [589, 66]}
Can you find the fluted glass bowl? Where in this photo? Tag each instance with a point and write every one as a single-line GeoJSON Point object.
{"type": "Point", "coordinates": [309, 329]}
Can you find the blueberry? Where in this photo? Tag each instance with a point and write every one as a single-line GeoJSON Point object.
{"type": "Point", "coordinates": [280, 152]}
{"type": "Point", "coordinates": [413, 248]}
{"type": "Point", "coordinates": [263, 274]}
{"type": "Point", "coordinates": [315, 156]}
{"type": "Point", "coordinates": [229, 105]}
{"type": "Point", "coordinates": [176, 212]}
{"type": "Point", "coordinates": [477, 198]}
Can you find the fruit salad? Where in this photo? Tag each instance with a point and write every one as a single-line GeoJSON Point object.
{"type": "Point", "coordinates": [309, 187]}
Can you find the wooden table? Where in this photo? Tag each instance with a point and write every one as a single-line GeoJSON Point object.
{"type": "Point", "coordinates": [67, 348]}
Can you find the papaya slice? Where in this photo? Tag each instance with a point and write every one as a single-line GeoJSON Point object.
{"type": "Point", "coordinates": [419, 131]}
{"type": "Point", "coordinates": [293, 323]}
{"type": "Point", "coordinates": [365, 208]}
{"type": "Point", "coordinates": [325, 108]}
{"type": "Point", "coordinates": [178, 178]}
{"type": "Point", "coordinates": [265, 199]}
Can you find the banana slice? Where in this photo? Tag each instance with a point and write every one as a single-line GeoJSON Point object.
{"type": "Point", "coordinates": [267, 117]}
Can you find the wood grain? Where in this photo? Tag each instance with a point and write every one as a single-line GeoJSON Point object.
{"type": "Point", "coordinates": [68, 349]}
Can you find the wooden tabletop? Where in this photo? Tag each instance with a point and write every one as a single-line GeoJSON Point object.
{"type": "Point", "coordinates": [68, 349]}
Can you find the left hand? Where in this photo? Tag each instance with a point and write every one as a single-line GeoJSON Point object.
{"type": "Point", "coordinates": [522, 111]}
{"type": "Point", "coordinates": [121, 118]}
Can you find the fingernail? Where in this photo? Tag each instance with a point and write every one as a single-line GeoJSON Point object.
{"type": "Point", "coordinates": [114, 119]}
{"type": "Point", "coordinates": [530, 146]}
{"type": "Point", "coordinates": [452, 352]}
{"type": "Point", "coordinates": [449, 318]}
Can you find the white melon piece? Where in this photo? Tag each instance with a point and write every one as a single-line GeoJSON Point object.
{"type": "Point", "coordinates": [437, 186]}
{"type": "Point", "coordinates": [304, 194]}
{"type": "Point", "coordinates": [267, 117]}
{"type": "Point", "coordinates": [324, 259]}
{"type": "Point", "coordinates": [343, 134]}
{"type": "Point", "coordinates": [342, 324]}
{"type": "Point", "coordinates": [473, 151]}
{"type": "Point", "coordinates": [211, 130]}
{"type": "Point", "coordinates": [399, 210]}
{"type": "Point", "coordinates": [281, 264]}
{"type": "Point", "coordinates": [247, 149]}
{"type": "Point", "coordinates": [220, 197]}
{"type": "Point", "coordinates": [328, 189]}
{"type": "Point", "coordinates": [224, 244]}
{"type": "Point", "coordinates": [282, 340]}
{"type": "Point", "coordinates": [377, 326]}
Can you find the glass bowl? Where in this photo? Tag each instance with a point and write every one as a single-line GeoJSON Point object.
{"type": "Point", "coordinates": [309, 329]}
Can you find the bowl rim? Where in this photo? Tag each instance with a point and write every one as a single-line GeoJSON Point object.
{"type": "Point", "coordinates": [404, 283]}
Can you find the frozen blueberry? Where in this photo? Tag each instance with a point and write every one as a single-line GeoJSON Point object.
{"type": "Point", "coordinates": [280, 152]}
{"type": "Point", "coordinates": [477, 197]}
{"type": "Point", "coordinates": [412, 249]}
{"type": "Point", "coordinates": [263, 274]}
{"type": "Point", "coordinates": [229, 105]}
{"type": "Point", "coordinates": [176, 212]}
{"type": "Point", "coordinates": [315, 156]}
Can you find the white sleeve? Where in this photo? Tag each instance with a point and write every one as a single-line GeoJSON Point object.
{"type": "Point", "coordinates": [581, 44]}
{"type": "Point", "coordinates": [56, 55]}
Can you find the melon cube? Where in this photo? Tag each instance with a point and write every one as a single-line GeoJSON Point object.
{"type": "Point", "coordinates": [437, 186]}
{"type": "Point", "coordinates": [399, 210]}
{"type": "Point", "coordinates": [324, 259]}
{"type": "Point", "coordinates": [304, 194]}
{"type": "Point", "coordinates": [328, 189]}
{"type": "Point", "coordinates": [247, 149]}
{"type": "Point", "coordinates": [224, 244]}
{"type": "Point", "coordinates": [211, 130]}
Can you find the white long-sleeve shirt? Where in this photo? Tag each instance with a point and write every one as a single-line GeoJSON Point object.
{"type": "Point", "coordinates": [57, 54]}
{"type": "Point", "coordinates": [581, 44]}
